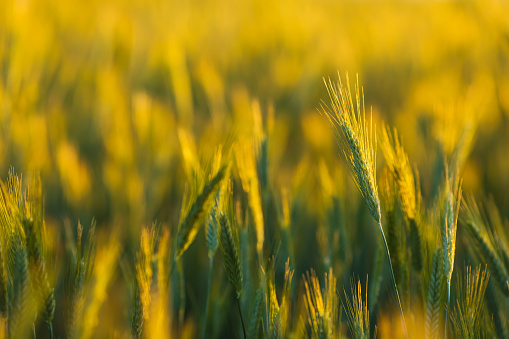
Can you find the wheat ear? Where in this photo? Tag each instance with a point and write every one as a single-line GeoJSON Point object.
{"type": "Point", "coordinates": [256, 315]}
{"type": "Point", "coordinates": [358, 144]}
{"type": "Point", "coordinates": [468, 313]}
{"type": "Point", "coordinates": [357, 311]}
{"type": "Point", "coordinates": [399, 166]}
{"type": "Point", "coordinates": [478, 227]}
{"type": "Point", "coordinates": [189, 226]}
{"type": "Point", "coordinates": [451, 209]}
{"type": "Point", "coordinates": [231, 258]}
{"type": "Point", "coordinates": [434, 296]}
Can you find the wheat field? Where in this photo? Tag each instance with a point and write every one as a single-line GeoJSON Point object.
{"type": "Point", "coordinates": [254, 169]}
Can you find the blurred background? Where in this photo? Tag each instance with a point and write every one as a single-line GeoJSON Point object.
{"type": "Point", "coordinates": [102, 97]}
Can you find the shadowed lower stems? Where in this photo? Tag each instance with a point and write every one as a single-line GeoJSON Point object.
{"type": "Point", "coordinates": [241, 319]}
{"type": "Point", "coordinates": [395, 287]}
{"type": "Point", "coordinates": [211, 260]}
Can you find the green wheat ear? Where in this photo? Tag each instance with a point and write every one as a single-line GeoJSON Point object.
{"type": "Point", "coordinates": [231, 255]}
{"type": "Point", "coordinates": [231, 259]}
{"type": "Point", "coordinates": [488, 235]}
{"type": "Point", "coordinates": [449, 227]}
{"type": "Point", "coordinates": [434, 298]}
{"type": "Point", "coordinates": [81, 259]}
{"type": "Point", "coordinates": [189, 226]}
{"type": "Point", "coordinates": [256, 314]}
{"type": "Point", "coordinates": [357, 141]}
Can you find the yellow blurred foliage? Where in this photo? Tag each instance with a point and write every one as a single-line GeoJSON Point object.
{"type": "Point", "coordinates": [74, 174]}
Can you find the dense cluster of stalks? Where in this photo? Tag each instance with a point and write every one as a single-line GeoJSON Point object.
{"type": "Point", "coordinates": [249, 286]}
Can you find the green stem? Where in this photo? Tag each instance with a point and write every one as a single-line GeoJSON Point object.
{"type": "Point", "coordinates": [50, 328]}
{"type": "Point", "coordinates": [447, 306]}
{"type": "Point", "coordinates": [263, 282]}
{"type": "Point", "coordinates": [211, 260]}
{"type": "Point", "coordinates": [395, 287]}
{"type": "Point", "coordinates": [241, 319]}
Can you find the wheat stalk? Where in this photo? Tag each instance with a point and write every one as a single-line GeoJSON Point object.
{"type": "Point", "coordinates": [358, 144]}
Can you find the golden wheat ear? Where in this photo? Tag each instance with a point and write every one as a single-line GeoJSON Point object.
{"type": "Point", "coordinates": [399, 166]}
{"type": "Point", "coordinates": [322, 306]}
{"type": "Point", "coordinates": [357, 140]}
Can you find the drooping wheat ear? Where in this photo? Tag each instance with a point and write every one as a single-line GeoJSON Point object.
{"type": "Point", "coordinates": [496, 309]}
{"type": "Point", "coordinates": [255, 315]}
{"type": "Point", "coordinates": [478, 227]}
{"type": "Point", "coordinates": [358, 144]}
{"type": "Point", "coordinates": [434, 298]}
{"type": "Point", "coordinates": [468, 312]}
{"type": "Point", "coordinates": [449, 226]}
{"type": "Point", "coordinates": [357, 311]}
{"type": "Point", "coordinates": [189, 226]}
